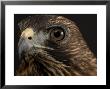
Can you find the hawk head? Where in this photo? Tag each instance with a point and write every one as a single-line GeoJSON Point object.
{"type": "Point", "coordinates": [53, 45]}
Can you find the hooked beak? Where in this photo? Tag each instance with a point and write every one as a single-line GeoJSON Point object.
{"type": "Point", "coordinates": [27, 41]}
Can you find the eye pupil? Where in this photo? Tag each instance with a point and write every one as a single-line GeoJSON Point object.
{"type": "Point", "coordinates": [57, 34]}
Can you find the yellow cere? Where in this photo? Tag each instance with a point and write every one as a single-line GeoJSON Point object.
{"type": "Point", "coordinates": [28, 32]}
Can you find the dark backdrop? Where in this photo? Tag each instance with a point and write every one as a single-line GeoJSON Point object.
{"type": "Point", "coordinates": [87, 24]}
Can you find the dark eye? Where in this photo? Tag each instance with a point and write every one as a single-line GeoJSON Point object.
{"type": "Point", "coordinates": [57, 34]}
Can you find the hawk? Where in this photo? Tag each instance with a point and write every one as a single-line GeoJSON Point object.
{"type": "Point", "coordinates": [51, 45]}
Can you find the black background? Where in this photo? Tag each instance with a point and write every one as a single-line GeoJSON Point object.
{"type": "Point", "coordinates": [87, 24]}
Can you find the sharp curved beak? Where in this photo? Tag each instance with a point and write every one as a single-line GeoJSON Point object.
{"type": "Point", "coordinates": [37, 41]}
{"type": "Point", "coordinates": [24, 43]}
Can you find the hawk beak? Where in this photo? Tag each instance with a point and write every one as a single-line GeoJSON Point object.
{"type": "Point", "coordinates": [27, 41]}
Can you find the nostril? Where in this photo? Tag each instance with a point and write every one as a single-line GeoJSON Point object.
{"type": "Point", "coordinates": [29, 37]}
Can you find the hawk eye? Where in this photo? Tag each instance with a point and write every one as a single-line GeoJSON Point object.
{"type": "Point", "coordinates": [57, 34]}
